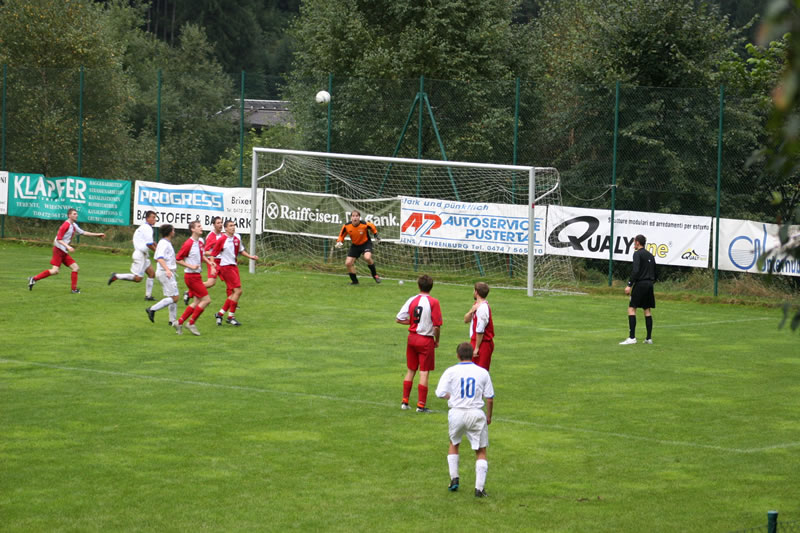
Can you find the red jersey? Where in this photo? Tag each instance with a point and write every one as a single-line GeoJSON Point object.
{"type": "Point", "coordinates": [423, 312]}
{"type": "Point", "coordinates": [228, 249]}
{"type": "Point", "coordinates": [193, 250]}
{"type": "Point", "coordinates": [482, 323]}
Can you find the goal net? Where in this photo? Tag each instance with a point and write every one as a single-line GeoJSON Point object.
{"type": "Point", "coordinates": [459, 222]}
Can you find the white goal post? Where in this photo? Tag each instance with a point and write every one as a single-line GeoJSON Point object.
{"type": "Point", "coordinates": [309, 195]}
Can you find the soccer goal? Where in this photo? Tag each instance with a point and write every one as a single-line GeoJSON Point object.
{"type": "Point", "coordinates": [457, 221]}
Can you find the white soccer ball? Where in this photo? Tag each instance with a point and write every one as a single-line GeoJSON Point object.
{"type": "Point", "coordinates": [323, 97]}
{"type": "Point", "coordinates": [400, 282]}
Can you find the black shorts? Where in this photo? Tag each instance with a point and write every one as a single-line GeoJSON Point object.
{"type": "Point", "coordinates": [642, 295]}
{"type": "Point", "coordinates": [356, 251]}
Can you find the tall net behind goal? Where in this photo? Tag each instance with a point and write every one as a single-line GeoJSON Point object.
{"type": "Point", "coordinates": [459, 222]}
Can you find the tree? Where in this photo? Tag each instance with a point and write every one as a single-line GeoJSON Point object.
{"type": "Point", "coordinates": [655, 49]}
{"type": "Point", "coordinates": [783, 152]}
{"type": "Point", "coordinates": [377, 51]}
{"type": "Point", "coordinates": [45, 43]}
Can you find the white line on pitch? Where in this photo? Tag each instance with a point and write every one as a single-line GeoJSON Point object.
{"type": "Point", "coordinates": [661, 325]}
{"type": "Point", "coordinates": [385, 404]}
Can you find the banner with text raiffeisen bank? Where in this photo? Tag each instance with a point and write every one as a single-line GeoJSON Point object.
{"type": "Point", "coordinates": [679, 240]}
{"type": "Point", "coordinates": [180, 205]}
{"type": "Point", "coordinates": [97, 201]}
{"type": "Point", "coordinates": [742, 242]}
{"type": "Point", "coordinates": [323, 215]}
{"type": "Point", "coordinates": [470, 226]}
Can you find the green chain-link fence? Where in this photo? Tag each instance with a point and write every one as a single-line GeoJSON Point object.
{"type": "Point", "coordinates": [630, 148]}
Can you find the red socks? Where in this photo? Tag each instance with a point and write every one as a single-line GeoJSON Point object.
{"type": "Point", "coordinates": [41, 275]}
{"type": "Point", "coordinates": [406, 390]}
{"type": "Point", "coordinates": [422, 392]}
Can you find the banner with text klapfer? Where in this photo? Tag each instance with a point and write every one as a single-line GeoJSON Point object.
{"type": "Point", "coordinates": [97, 201]}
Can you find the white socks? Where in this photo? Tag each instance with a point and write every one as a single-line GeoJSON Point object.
{"type": "Point", "coordinates": [173, 311]}
{"type": "Point", "coordinates": [452, 462]}
{"type": "Point", "coordinates": [481, 467]}
{"type": "Point", "coordinates": [124, 277]}
{"type": "Point", "coordinates": [148, 287]}
{"type": "Point", "coordinates": [162, 303]}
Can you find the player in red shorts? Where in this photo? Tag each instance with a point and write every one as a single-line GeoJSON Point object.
{"type": "Point", "coordinates": [227, 248]}
{"type": "Point", "coordinates": [423, 315]}
{"type": "Point", "coordinates": [212, 274]}
{"type": "Point", "coordinates": [192, 254]}
{"type": "Point", "coordinates": [481, 327]}
{"type": "Point", "coordinates": [62, 249]}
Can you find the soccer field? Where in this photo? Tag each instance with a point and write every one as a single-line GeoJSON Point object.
{"type": "Point", "coordinates": [293, 421]}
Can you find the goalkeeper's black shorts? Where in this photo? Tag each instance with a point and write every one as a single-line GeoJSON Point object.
{"type": "Point", "coordinates": [356, 251]}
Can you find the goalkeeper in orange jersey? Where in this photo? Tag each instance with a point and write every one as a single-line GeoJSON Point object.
{"type": "Point", "coordinates": [361, 243]}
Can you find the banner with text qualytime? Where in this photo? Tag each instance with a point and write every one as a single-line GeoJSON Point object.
{"type": "Point", "coordinates": [471, 226]}
{"type": "Point", "coordinates": [3, 192]}
{"type": "Point", "coordinates": [323, 215]}
{"type": "Point", "coordinates": [97, 201]}
{"type": "Point", "coordinates": [743, 241]}
{"type": "Point", "coordinates": [680, 240]}
{"type": "Point", "coordinates": [180, 205]}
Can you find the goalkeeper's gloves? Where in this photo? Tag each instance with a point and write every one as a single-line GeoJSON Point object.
{"type": "Point", "coordinates": [377, 239]}
{"type": "Point", "coordinates": [339, 244]}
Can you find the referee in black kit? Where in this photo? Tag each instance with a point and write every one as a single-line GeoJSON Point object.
{"type": "Point", "coordinates": [640, 288]}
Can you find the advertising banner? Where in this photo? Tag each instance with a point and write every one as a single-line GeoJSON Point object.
{"type": "Point", "coordinates": [480, 227]}
{"type": "Point", "coordinates": [323, 215]}
{"type": "Point", "coordinates": [3, 192]}
{"type": "Point", "coordinates": [680, 240]}
{"type": "Point", "coordinates": [180, 205]}
{"type": "Point", "coordinates": [743, 241]}
{"type": "Point", "coordinates": [97, 201]}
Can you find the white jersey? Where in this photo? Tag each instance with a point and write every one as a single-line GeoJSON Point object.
{"type": "Point", "coordinates": [143, 238]}
{"type": "Point", "coordinates": [467, 384]}
{"type": "Point", "coordinates": [165, 251]}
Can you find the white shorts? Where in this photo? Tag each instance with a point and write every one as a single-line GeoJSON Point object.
{"type": "Point", "coordinates": [169, 286]}
{"type": "Point", "coordinates": [469, 421]}
{"type": "Point", "coordinates": [141, 261]}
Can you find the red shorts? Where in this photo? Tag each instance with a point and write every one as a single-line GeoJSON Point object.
{"type": "Point", "coordinates": [61, 257]}
{"type": "Point", "coordinates": [216, 271]}
{"type": "Point", "coordinates": [420, 352]}
{"type": "Point", "coordinates": [194, 282]}
{"type": "Point", "coordinates": [484, 358]}
{"type": "Point", "coordinates": [230, 275]}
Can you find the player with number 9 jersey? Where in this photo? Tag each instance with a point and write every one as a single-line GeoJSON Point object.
{"type": "Point", "coordinates": [423, 315]}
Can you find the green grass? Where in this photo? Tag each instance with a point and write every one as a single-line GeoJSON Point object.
{"type": "Point", "coordinates": [292, 422]}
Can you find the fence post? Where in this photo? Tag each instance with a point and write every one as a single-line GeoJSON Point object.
{"type": "Point", "coordinates": [80, 124]}
{"type": "Point", "coordinates": [3, 135]}
{"type": "Point", "coordinates": [330, 111]}
{"type": "Point", "coordinates": [158, 129]}
{"type": "Point", "coordinates": [5, 80]}
{"type": "Point", "coordinates": [241, 133]}
{"type": "Point", "coordinates": [772, 521]}
{"type": "Point", "coordinates": [509, 257]}
{"type": "Point", "coordinates": [719, 186]}
{"type": "Point", "coordinates": [613, 185]}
